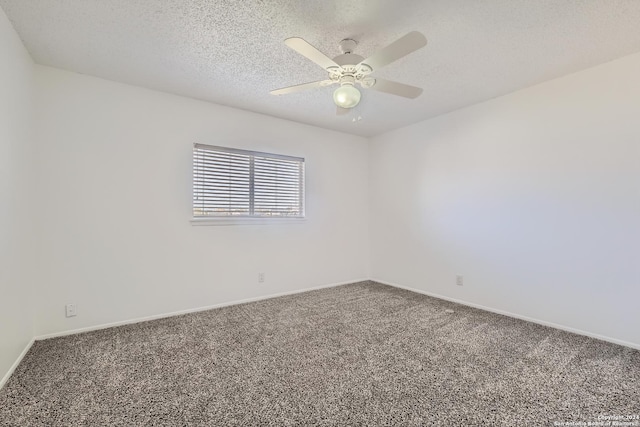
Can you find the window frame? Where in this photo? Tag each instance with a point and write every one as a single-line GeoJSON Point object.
{"type": "Point", "coordinates": [248, 219]}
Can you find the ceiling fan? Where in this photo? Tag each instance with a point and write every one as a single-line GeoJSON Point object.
{"type": "Point", "coordinates": [349, 69]}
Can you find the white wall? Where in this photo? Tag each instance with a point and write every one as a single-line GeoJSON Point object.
{"type": "Point", "coordinates": [16, 226]}
{"type": "Point", "coordinates": [115, 190]}
{"type": "Point", "coordinates": [534, 197]}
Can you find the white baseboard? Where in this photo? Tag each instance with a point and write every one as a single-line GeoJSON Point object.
{"type": "Point", "coordinates": [187, 311]}
{"type": "Point", "coordinates": [516, 316]}
{"type": "Point", "coordinates": [13, 367]}
{"type": "Point", "coordinates": [280, 294]}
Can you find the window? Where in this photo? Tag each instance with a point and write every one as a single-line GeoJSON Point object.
{"type": "Point", "coordinates": [228, 182]}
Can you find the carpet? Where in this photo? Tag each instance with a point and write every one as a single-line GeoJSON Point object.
{"type": "Point", "coordinates": [363, 354]}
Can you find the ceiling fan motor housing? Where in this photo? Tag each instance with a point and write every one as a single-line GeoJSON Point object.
{"type": "Point", "coordinates": [350, 66]}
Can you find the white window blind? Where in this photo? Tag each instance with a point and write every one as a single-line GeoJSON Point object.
{"type": "Point", "coordinates": [228, 182]}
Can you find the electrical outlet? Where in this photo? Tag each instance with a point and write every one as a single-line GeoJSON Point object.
{"type": "Point", "coordinates": [260, 277]}
{"type": "Point", "coordinates": [70, 310]}
{"type": "Point", "coordinates": [459, 280]}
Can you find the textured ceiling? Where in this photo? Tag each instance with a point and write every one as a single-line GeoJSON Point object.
{"type": "Point", "coordinates": [233, 52]}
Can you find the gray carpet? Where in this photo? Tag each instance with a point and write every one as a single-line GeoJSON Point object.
{"type": "Point", "coordinates": [360, 354]}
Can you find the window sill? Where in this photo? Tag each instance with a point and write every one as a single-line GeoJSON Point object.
{"type": "Point", "coordinates": [245, 221]}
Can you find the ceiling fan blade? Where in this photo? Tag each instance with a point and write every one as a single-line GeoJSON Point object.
{"type": "Point", "coordinates": [396, 50]}
{"type": "Point", "coordinates": [305, 49]}
{"type": "Point", "coordinates": [301, 87]}
{"type": "Point", "coordinates": [395, 88]}
{"type": "Point", "coordinates": [342, 111]}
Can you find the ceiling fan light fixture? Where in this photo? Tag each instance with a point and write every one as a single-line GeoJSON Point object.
{"type": "Point", "coordinates": [346, 96]}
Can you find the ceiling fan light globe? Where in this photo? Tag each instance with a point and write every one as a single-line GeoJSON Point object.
{"type": "Point", "coordinates": [346, 96]}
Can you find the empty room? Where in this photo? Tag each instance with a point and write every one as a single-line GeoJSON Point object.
{"type": "Point", "coordinates": [331, 213]}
